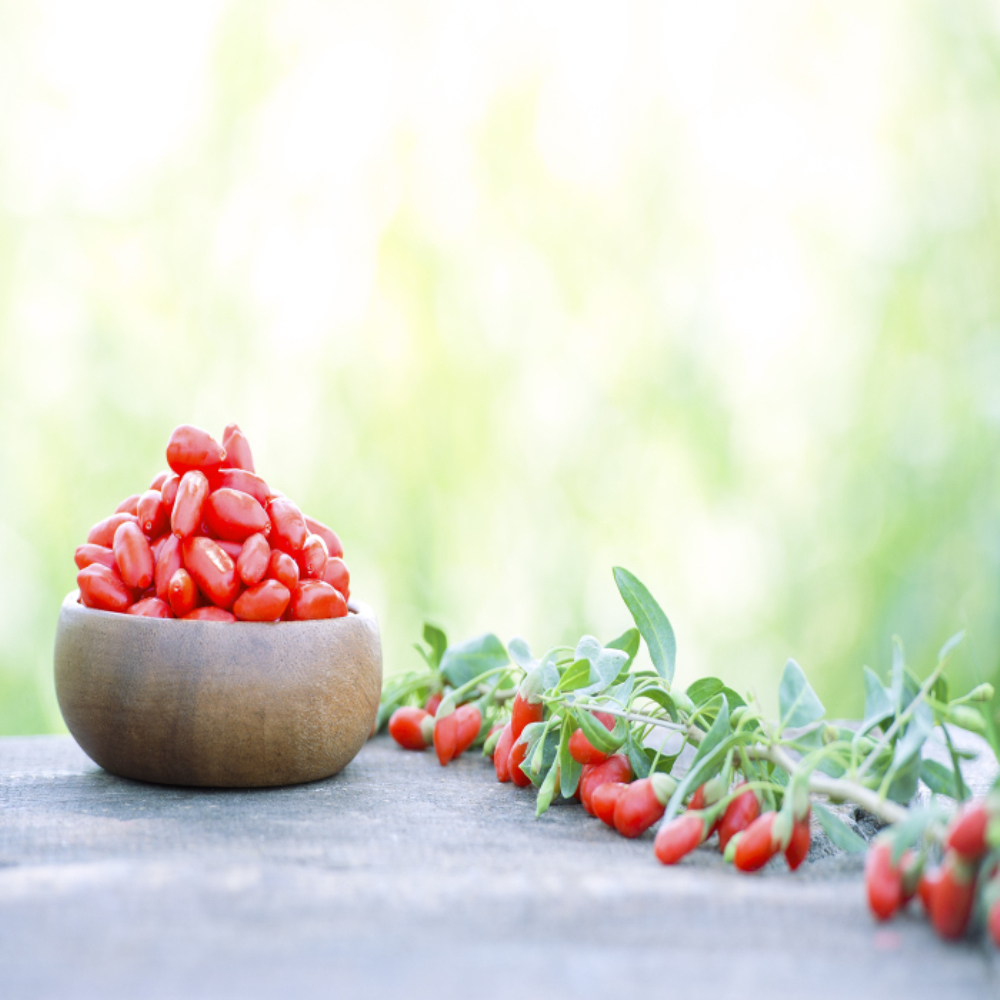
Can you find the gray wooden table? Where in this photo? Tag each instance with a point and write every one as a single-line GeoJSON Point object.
{"type": "Point", "coordinates": [401, 877]}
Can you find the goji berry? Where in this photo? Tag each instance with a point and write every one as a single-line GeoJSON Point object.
{"type": "Point", "coordinates": [168, 562]}
{"type": "Point", "coordinates": [159, 479]}
{"type": "Point", "coordinates": [103, 588]}
{"type": "Point", "coordinates": [234, 515]}
{"type": "Point", "coordinates": [312, 559]}
{"type": "Point", "coordinates": [335, 573]}
{"type": "Point", "coordinates": [212, 570]}
{"type": "Point", "coordinates": [154, 518]}
{"type": "Point", "coordinates": [313, 599]}
{"type": "Point", "coordinates": [883, 880]}
{"type": "Point", "coordinates": [739, 814]}
{"type": "Point", "coordinates": [470, 721]}
{"type": "Point", "coordinates": [953, 897]}
{"type": "Point", "coordinates": [232, 549]}
{"type": "Point", "coordinates": [168, 492]}
{"type": "Point", "coordinates": [186, 515]}
{"type": "Point", "coordinates": [523, 713]}
{"type": "Point", "coordinates": [150, 607]}
{"type": "Point", "coordinates": [604, 799]}
{"type": "Point", "coordinates": [192, 448]}
{"type": "Point", "coordinates": [129, 505]}
{"type": "Point", "coordinates": [182, 593]}
{"type": "Point", "coordinates": [446, 737]}
{"type": "Point", "coordinates": [501, 752]}
{"type": "Point", "coordinates": [211, 614]}
{"type": "Point", "coordinates": [518, 752]}
{"type": "Point", "coordinates": [283, 568]}
{"type": "Point", "coordinates": [798, 846]}
{"type": "Point", "coordinates": [967, 831]}
{"type": "Point", "coordinates": [133, 556]}
{"type": "Point", "coordinates": [411, 728]}
{"type": "Point", "coordinates": [103, 533]}
{"type": "Point", "coordinates": [582, 750]}
{"type": "Point", "coordinates": [615, 768]}
{"type": "Point", "coordinates": [288, 526]}
{"type": "Point", "coordinates": [757, 845]}
{"type": "Point", "coordinates": [245, 482]}
{"type": "Point", "coordinates": [927, 888]}
{"type": "Point", "coordinates": [87, 554]}
{"type": "Point", "coordinates": [431, 705]}
{"type": "Point", "coordinates": [679, 837]}
{"type": "Point", "coordinates": [333, 546]}
{"type": "Point", "coordinates": [263, 602]}
{"type": "Point", "coordinates": [993, 922]}
{"type": "Point", "coordinates": [238, 454]}
{"type": "Point", "coordinates": [252, 562]}
{"type": "Point", "coordinates": [642, 804]}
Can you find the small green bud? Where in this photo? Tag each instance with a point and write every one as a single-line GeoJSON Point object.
{"type": "Point", "coordinates": [830, 734]}
{"type": "Point", "coordinates": [981, 692]}
{"type": "Point", "coordinates": [967, 718]}
{"type": "Point", "coordinates": [683, 702]}
{"type": "Point", "coordinates": [663, 786]}
{"type": "Point", "coordinates": [736, 714]}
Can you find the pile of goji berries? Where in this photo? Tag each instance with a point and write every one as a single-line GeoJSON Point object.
{"type": "Point", "coordinates": [606, 788]}
{"type": "Point", "coordinates": [969, 870]}
{"type": "Point", "coordinates": [211, 541]}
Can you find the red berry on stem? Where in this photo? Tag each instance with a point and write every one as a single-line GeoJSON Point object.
{"type": "Point", "coordinates": [431, 705]}
{"type": "Point", "coordinates": [501, 752]}
{"type": "Point", "coordinates": [518, 752]}
{"type": "Point", "coordinates": [407, 726]}
{"type": "Point", "coordinates": [883, 880]}
{"type": "Point", "coordinates": [679, 837]}
{"type": "Point", "coordinates": [523, 713]}
{"type": "Point", "coordinates": [739, 814]}
{"type": "Point", "coordinates": [757, 845]}
{"type": "Point", "coordinates": [953, 897]}
{"type": "Point", "coordinates": [967, 831]}
{"type": "Point", "coordinates": [582, 750]}
{"type": "Point", "coordinates": [604, 800]}
{"type": "Point", "coordinates": [446, 737]}
{"type": "Point", "coordinates": [798, 846]}
{"type": "Point", "coordinates": [615, 768]}
{"type": "Point", "coordinates": [638, 809]}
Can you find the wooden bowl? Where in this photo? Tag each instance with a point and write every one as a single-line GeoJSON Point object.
{"type": "Point", "coordinates": [243, 705]}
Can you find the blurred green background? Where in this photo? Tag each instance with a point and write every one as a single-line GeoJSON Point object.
{"type": "Point", "coordinates": [510, 293]}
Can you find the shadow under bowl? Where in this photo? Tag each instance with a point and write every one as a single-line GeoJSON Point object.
{"type": "Point", "coordinates": [244, 705]}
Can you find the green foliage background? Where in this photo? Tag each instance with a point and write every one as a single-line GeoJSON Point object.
{"type": "Point", "coordinates": [512, 293]}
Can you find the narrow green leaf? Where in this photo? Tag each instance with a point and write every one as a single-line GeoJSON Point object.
{"type": "Point", "coordinates": [547, 790]}
{"type": "Point", "coordinates": [799, 703]}
{"type": "Point", "coordinates": [661, 698]}
{"type": "Point", "coordinates": [569, 769]}
{"type": "Point", "coordinates": [637, 758]}
{"type": "Point", "coordinates": [461, 663]}
{"type": "Point", "coordinates": [605, 740]}
{"type": "Point", "coordinates": [716, 734]}
{"type": "Point", "coordinates": [651, 622]}
{"type": "Point", "coordinates": [437, 640]}
{"type": "Point", "coordinates": [577, 676]}
{"type": "Point", "coordinates": [838, 831]}
{"type": "Point", "coordinates": [942, 780]}
{"type": "Point", "coordinates": [704, 689]}
{"type": "Point", "coordinates": [949, 647]}
{"type": "Point", "coordinates": [734, 699]}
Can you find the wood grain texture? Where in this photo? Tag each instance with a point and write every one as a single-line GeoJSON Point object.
{"type": "Point", "coordinates": [229, 706]}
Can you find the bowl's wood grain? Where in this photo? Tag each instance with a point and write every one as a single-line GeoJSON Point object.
{"type": "Point", "coordinates": [233, 706]}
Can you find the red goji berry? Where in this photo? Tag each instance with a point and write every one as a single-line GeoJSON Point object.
{"type": "Point", "coordinates": [211, 614]}
{"type": "Point", "coordinates": [235, 516]}
{"type": "Point", "coordinates": [604, 800]}
{"type": "Point", "coordinates": [335, 573]}
{"type": "Point", "coordinates": [253, 560]}
{"type": "Point", "coordinates": [679, 837]}
{"type": "Point", "coordinates": [883, 880]}
{"type": "Point", "coordinates": [245, 482]}
{"type": "Point", "coordinates": [993, 922]}
{"type": "Point", "coordinates": [150, 607]}
{"type": "Point", "coordinates": [501, 752]}
{"type": "Point", "coordinates": [523, 713]}
{"type": "Point", "coordinates": [967, 831]}
{"type": "Point", "coordinates": [739, 814]}
{"type": "Point", "coordinates": [312, 559]}
{"type": "Point", "coordinates": [313, 599]}
{"type": "Point", "coordinates": [133, 556]}
{"type": "Point", "coordinates": [87, 554]}
{"type": "Point", "coordinates": [283, 568]}
{"type": "Point", "coordinates": [264, 602]}
{"type": "Point", "coordinates": [431, 705]}
{"type": "Point", "coordinates": [445, 737]}
{"type": "Point", "coordinates": [582, 750]}
{"type": "Point", "coordinates": [333, 546]}
{"type": "Point", "coordinates": [238, 454]}
{"type": "Point", "coordinates": [288, 526]}
{"type": "Point", "coordinates": [411, 728]}
{"type": "Point", "coordinates": [212, 569]}
{"type": "Point", "coordinates": [191, 448]}
{"type": "Point", "coordinates": [154, 518]}
{"type": "Point", "coordinates": [103, 533]}
{"type": "Point", "coordinates": [129, 505]}
{"type": "Point", "coordinates": [103, 588]}
{"type": "Point", "coordinates": [182, 593]}
{"type": "Point", "coordinates": [798, 846]}
{"type": "Point", "coordinates": [756, 844]}
{"type": "Point", "coordinates": [470, 721]}
{"type": "Point", "coordinates": [518, 752]}
{"type": "Point", "coordinates": [953, 897]}
{"type": "Point", "coordinates": [615, 768]}
{"type": "Point", "coordinates": [168, 562]}
{"type": "Point", "coordinates": [168, 492]}
{"type": "Point", "coordinates": [642, 804]}
{"type": "Point", "coordinates": [186, 515]}
{"type": "Point", "coordinates": [159, 479]}
{"type": "Point", "coordinates": [926, 889]}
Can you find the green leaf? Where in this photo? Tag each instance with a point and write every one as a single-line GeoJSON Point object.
{"type": "Point", "coordinates": [577, 676]}
{"type": "Point", "coordinates": [838, 831]}
{"type": "Point", "coordinates": [547, 790]}
{"type": "Point", "coordinates": [949, 647]}
{"type": "Point", "coordinates": [878, 701]}
{"type": "Point", "coordinates": [651, 621]}
{"type": "Point", "coordinates": [799, 704]}
{"type": "Point", "coordinates": [520, 653]}
{"type": "Point", "coordinates": [467, 660]}
{"type": "Point", "coordinates": [735, 700]}
{"type": "Point", "coordinates": [628, 642]}
{"type": "Point", "coordinates": [942, 780]}
{"type": "Point", "coordinates": [438, 641]}
{"type": "Point", "coordinates": [620, 693]}
{"type": "Point", "coordinates": [605, 664]}
{"type": "Point", "coordinates": [661, 698]}
{"type": "Point", "coordinates": [569, 769]}
{"type": "Point", "coordinates": [637, 758]}
{"type": "Point", "coordinates": [718, 732]}
{"type": "Point", "coordinates": [704, 689]}
{"type": "Point", "coordinates": [601, 738]}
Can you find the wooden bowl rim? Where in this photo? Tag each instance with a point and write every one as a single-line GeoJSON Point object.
{"type": "Point", "coordinates": [358, 609]}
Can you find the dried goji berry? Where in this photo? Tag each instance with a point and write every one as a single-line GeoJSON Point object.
{"type": "Point", "coordinates": [411, 728]}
